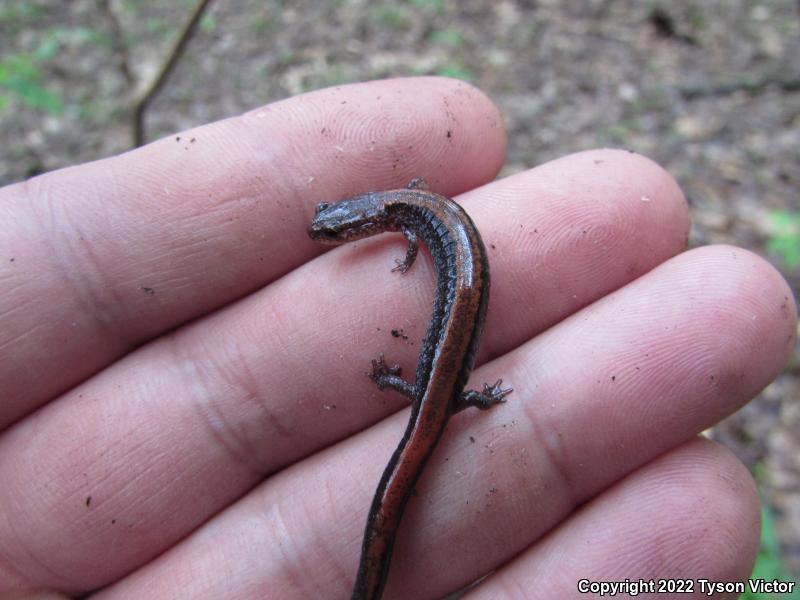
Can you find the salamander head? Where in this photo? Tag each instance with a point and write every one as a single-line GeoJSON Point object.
{"type": "Point", "coordinates": [351, 219]}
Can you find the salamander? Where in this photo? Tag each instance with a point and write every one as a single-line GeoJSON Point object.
{"type": "Point", "coordinates": [448, 349]}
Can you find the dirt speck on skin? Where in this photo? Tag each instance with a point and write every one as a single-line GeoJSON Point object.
{"type": "Point", "coordinates": [709, 90]}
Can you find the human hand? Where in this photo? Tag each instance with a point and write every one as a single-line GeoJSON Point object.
{"type": "Point", "coordinates": [183, 375]}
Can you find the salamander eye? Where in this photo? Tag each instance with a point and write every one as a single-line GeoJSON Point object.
{"type": "Point", "coordinates": [320, 207]}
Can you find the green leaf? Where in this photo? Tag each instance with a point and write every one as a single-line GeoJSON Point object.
{"type": "Point", "coordinates": [20, 76]}
{"type": "Point", "coordinates": [391, 17]}
{"type": "Point", "coordinates": [47, 48]}
{"type": "Point", "coordinates": [768, 563]}
{"type": "Point", "coordinates": [456, 71]}
{"type": "Point", "coordinates": [208, 23]}
{"type": "Point", "coordinates": [436, 5]}
{"type": "Point", "coordinates": [447, 37]}
{"type": "Point", "coordinates": [784, 240]}
{"type": "Point", "coordinates": [22, 12]}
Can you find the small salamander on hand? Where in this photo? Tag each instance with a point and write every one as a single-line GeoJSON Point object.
{"type": "Point", "coordinates": [448, 349]}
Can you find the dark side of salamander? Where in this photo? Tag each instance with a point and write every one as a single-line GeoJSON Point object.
{"type": "Point", "coordinates": [448, 349]}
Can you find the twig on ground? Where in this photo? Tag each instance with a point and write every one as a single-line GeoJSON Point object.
{"type": "Point", "coordinates": [141, 104]}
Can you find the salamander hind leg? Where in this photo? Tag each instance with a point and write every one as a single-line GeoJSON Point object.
{"type": "Point", "coordinates": [386, 376]}
{"type": "Point", "coordinates": [491, 395]}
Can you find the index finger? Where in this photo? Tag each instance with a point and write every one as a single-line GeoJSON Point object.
{"type": "Point", "coordinates": [99, 258]}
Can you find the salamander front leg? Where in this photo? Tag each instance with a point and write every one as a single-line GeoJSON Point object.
{"type": "Point", "coordinates": [491, 395]}
{"type": "Point", "coordinates": [411, 253]}
{"type": "Point", "coordinates": [389, 377]}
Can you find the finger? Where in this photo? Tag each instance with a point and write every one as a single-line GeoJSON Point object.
{"type": "Point", "coordinates": [206, 412]}
{"type": "Point", "coordinates": [596, 398]}
{"type": "Point", "coordinates": [34, 595]}
{"type": "Point", "coordinates": [96, 259]}
{"type": "Point", "coordinates": [689, 518]}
